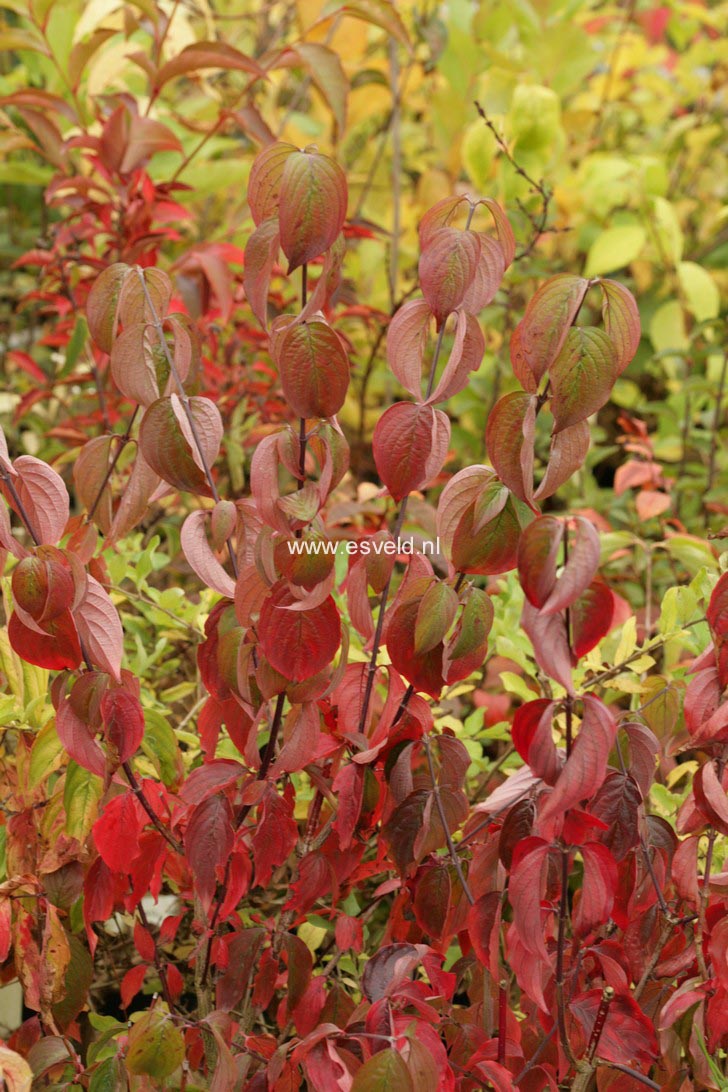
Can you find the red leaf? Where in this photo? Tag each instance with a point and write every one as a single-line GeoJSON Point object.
{"type": "Point", "coordinates": [585, 768]}
{"type": "Point", "coordinates": [465, 357]}
{"type": "Point", "coordinates": [627, 1034]}
{"type": "Point", "coordinates": [410, 443]}
{"type": "Point", "coordinates": [123, 721]}
{"type": "Point", "coordinates": [313, 197]}
{"type": "Point", "coordinates": [275, 835]}
{"type": "Point", "coordinates": [568, 452]}
{"type": "Point", "coordinates": [484, 918]}
{"type": "Point", "coordinates": [143, 942]}
{"type": "Point", "coordinates": [131, 983]}
{"type": "Point", "coordinates": [117, 830]}
{"type": "Point", "coordinates": [532, 735]}
{"type": "Point", "coordinates": [598, 889]}
{"type": "Point", "coordinates": [78, 738]}
{"type": "Point", "coordinates": [314, 369]}
{"type": "Point", "coordinates": [547, 634]}
{"type": "Point", "coordinates": [56, 649]}
{"type": "Point", "coordinates": [538, 558]}
{"type": "Point", "coordinates": [349, 789]}
{"type": "Point", "coordinates": [710, 797]}
{"type": "Point", "coordinates": [448, 266]}
{"type": "Point", "coordinates": [540, 335]}
{"type": "Point", "coordinates": [621, 321]}
{"type": "Point", "coordinates": [591, 617]}
{"type": "Point", "coordinates": [526, 889]}
{"type": "Point", "coordinates": [101, 306]}
{"type": "Point", "coordinates": [208, 844]}
{"type": "Point", "coordinates": [298, 643]}
{"type": "Point", "coordinates": [580, 569]}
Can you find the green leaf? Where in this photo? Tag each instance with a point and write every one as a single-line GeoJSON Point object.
{"type": "Point", "coordinates": [701, 291]}
{"type": "Point", "coordinates": [156, 1046]}
{"type": "Point", "coordinates": [81, 795]}
{"type": "Point", "coordinates": [582, 376]}
{"type": "Point", "coordinates": [109, 1077]}
{"type": "Point", "coordinates": [46, 754]}
{"type": "Point", "coordinates": [160, 746]}
{"type": "Point", "coordinates": [383, 1072]}
{"type": "Point", "coordinates": [614, 249]}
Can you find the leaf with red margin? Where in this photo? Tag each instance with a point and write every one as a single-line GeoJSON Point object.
{"type": "Point", "coordinates": [200, 557]}
{"type": "Point", "coordinates": [117, 831]}
{"type": "Point", "coordinates": [582, 376]}
{"type": "Point", "coordinates": [466, 648]}
{"type": "Point", "coordinates": [627, 1034]}
{"type": "Point", "coordinates": [488, 276]}
{"type": "Point", "coordinates": [422, 669]}
{"type": "Point", "coordinates": [537, 340]}
{"type": "Point", "coordinates": [406, 344]}
{"type": "Point", "coordinates": [298, 643]}
{"type": "Point", "coordinates": [510, 422]}
{"type": "Point", "coordinates": [43, 495]}
{"type": "Point", "coordinates": [166, 449]}
{"type": "Point", "coordinates": [717, 614]}
{"type": "Point", "coordinates": [264, 181]}
{"type": "Point", "coordinates": [208, 844]}
{"type": "Point", "coordinates": [568, 451]}
{"type": "Point", "coordinates": [123, 722]}
{"type": "Point", "coordinates": [580, 569]}
{"type": "Point", "coordinates": [312, 209]}
{"type": "Point", "coordinates": [591, 617]}
{"type": "Point", "coordinates": [621, 321]}
{"type": "Point", "coordinates": [410, 443]}
{"type": "Point", "coordinates": [532, 735]}
{"type": "Point", "coordinates": [585, 768]}
{"type": "Point", "coordinates": [78, 739]}
{"type": "Point", "coordinates": [314, 369]}
{"type": "Point", "coordinates": [202, 55]}
{"type": "Point", "coordinates": [547, 634]}
{"type": "Point", "coordinates": [101, 306]}
{"type": "Point", "coordinates": [526, 889]}
{"type": "Point", "coordinates": [261, 254]}
{"type": "Point", "coordinates": [598, 888]}
{"type": "Point", "coordinates": [465, 357]}
{"type": "Point", "coordinates": [100, 630]}
{"type": "Point", "coordinates": [448, 266]}
{"type": "Point", "coordinates": [538, 558]}
{"type": "Point", "coordinates": [438, 216]}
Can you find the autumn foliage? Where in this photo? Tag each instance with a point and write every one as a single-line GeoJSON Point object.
{"type": "Point", "coordinates": [401, 830]}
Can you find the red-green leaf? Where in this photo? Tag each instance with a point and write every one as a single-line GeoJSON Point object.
{"type": "Point", "coordinates": [203, 55]}
{"type": "Point", "coordinates": [447, 269]}
{"type": "Point", "coordinates": [582, 376]}
{"type": "Point", "coordinates": [264, 183]}
{"type": "Point", "coordinates": [621, 321]}
{"type": "Point", "coordinates": [540, 335]}
{"type": "Point", "coordinates": [313, 197]}
{"type": "Point", "coordinates": [261, 253]}
{"type": "Point", "coordinates": [410, 444]}
{"type": "Point", "coordinates": [384, 1072]}
{"type": "Point", "coordinates": [511, 419]}
{"type": "Point", "coordinates": [314, 369]}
